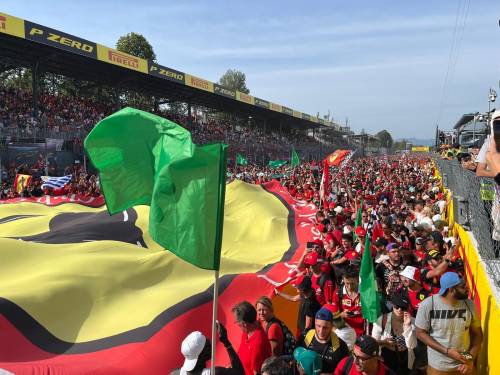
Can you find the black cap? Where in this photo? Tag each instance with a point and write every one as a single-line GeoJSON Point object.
{"type": "Point", "coordinates": [367, 345]}
{"type": "Point", "coordinates": [305, 284]}
{"type": "Point", "coordinates": [400, 300]}
{"type": "Point", "coordinates": [381, 241]}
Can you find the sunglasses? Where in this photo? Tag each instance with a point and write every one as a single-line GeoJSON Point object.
{"type": "Point", "coordinates": [360, 359]}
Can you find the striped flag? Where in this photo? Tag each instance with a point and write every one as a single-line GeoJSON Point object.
{"type": "Point", "coordinates": [55, 182]}
{"type": "Point", "coordinates": [21, 182]}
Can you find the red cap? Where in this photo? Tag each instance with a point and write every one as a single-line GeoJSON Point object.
{"type": "Point", "coordinates": [318, 242]}
{"type": "Point", "coordinates": [311, 259]}
{"type": "Point", "coordinates": [331, 205]}
{"type": "Point", "coordinates": [360, 232]}
{"type": "Point", "coordinates": [406, 245]}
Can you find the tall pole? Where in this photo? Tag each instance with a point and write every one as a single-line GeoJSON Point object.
{"type": "Point", "coordinates": [214, 322]}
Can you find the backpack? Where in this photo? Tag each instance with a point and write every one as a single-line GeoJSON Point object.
{"type": "Point", "coordinates": [289, 342]}
{"type": "Point", "coordinates": [335, 341]}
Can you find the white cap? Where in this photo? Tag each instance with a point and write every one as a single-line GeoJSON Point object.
{"type": "Point", "coordinates": [436, 217]}
{"type": "Point", "coordinates": [411, 273]}
{"type": "Point", "coordinates": [338, 209]}
{"type": "Point", "coordinates": [191, 348]}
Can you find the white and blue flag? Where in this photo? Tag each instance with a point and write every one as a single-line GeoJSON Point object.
{"type": "Point", "coordinates": [55, 182]}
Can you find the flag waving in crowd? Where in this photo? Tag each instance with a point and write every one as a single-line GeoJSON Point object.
{"type": "Point", "coordinates": [55, 182]}
{"type": "Point", "coordinates": [146, 159]}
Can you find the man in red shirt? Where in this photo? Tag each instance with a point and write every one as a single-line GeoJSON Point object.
{"type": "Point", "coordinates": [365, 359]}
{"type": "Point", "coordinates": [412, 281]}
{"type": "Point", "coordinates": [347, 301]}
{"type": "Point", "coordinates": [254, 347]}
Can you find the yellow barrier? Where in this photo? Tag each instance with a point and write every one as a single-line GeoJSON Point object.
{"type": "Point", "coordinates": [483, 295]}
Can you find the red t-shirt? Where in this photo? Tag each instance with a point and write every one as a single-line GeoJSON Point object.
{"type": "Point", "coordinates": [325, 294]}
{"type": "Point", "coordinates": [382, 369]}
{"type": "Point", "coordinates": [254, 350]}
{"type": "Point", "coordinates": [275, 333]}
{"type": "Point", "coordinates": [415, 299]}
{"type": "Point", "coordinates": [355, 319]}
{"type": "Point", "coordinates": [351, 254]}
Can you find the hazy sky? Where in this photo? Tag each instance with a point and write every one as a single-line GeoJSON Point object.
{"type": "Point", "coordinates": [382, 64]}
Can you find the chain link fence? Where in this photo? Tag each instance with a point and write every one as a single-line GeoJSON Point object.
{"type": "Point", "coordinates": [475, 199]}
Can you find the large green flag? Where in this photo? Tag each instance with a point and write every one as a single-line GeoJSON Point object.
{"type": "Point", "coordinates": [295, 161]}
{"type": "Point", "coordinates": [241, 160]}
{"type": "Point", "coordinates": [276, 163]}
{"type": "Point", "coordinates": [368, 290]}
{"type": "Point", "coordinates": [146, 159]}
{"type": "Point", "coordinates": [359, 217]}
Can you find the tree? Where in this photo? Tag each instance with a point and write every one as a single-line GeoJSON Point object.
{"type": "Point", "coordinates": [385, 138]}
{"type": "Point", "coordinates": [234, 80]}
{"type": "Point", "coordinates": [136, 45]}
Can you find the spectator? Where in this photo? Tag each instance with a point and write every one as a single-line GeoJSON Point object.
{"type": "Point", "coordinates": [308, 361]}
{"type": "Point", "coordinates": [254, 345]}
{"type": "Point", "coordinates": [196, 350]}
{"type": "Point", "coordinates": [271, 325]}
{"type": "Point", "coordinates": [364, 360]}
{"type": "Point", "coordinates": [395, 333]}
{"type": "Point", "coordinates": [325, 342]}
{"type": "Point", "coordinates": [275, 366]}
{"type": "Point", "coordinates": [448, 324]}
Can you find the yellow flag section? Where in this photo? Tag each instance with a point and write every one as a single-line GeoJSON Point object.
{"type": "Point", "coordinates": [116, 284]}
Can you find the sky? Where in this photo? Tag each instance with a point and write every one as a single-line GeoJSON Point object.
{"type": "Point", "coordinates": [379, 64]}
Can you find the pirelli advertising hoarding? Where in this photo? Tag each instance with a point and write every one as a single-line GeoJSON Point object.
{"type": "Point", "coordinates": [275, 107]}
{"type": "Point", "coordinates": [11, 25]}
{"type": "Point", "coordinates": [122, 59]}
{"type": "Point", "coordinates": [262, 103]}
{"type": "Point", "coordinates": [245, 98]}
{"type": "Point", "coordinates": [166, 73]}
{"type": "Point", "coordinates": [223, 91]}
{"type": "Point", "coordinates": [198, 83]}
{"type": "Point", "coordinates": [420, 148]}
{"type": "Point", "coordinates": [58, 39]}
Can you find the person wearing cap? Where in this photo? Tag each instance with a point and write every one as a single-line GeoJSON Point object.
{"type": "Point", "coordinates": [395, 333]}
{"type": "Point", "coordinates": [196, 349]}
{"type": "Point", "coordinates": [308, 306]}
{"type": "Point", "coordinates": [388, 271]}
{"type": "Point", "coordinates": [254, 345]}
{"type": "Point", "coordinates": [411, 278]}
{"type": "Point", "coordinates": [361, 234]}
{"type": "Point", "coordinates": [308, 361]}
{"type": "Point", "coordinates": [325, 342]}
{"type": "Point", "coordinates": [450, 327]}
{"type": "Point", "coordinates": [364, 359]}
{"type": "Point", "coordinates": [436, 266]}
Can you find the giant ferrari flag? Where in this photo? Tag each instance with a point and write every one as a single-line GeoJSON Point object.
{"type": "Point", "coordinates": [83, 292]}
{"type": "Point", "coordinates": [146, 159]}
{"type": "Point", "coordinates": [335, 159]}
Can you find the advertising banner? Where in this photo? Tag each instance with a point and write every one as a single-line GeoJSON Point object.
{"type": "Point", "coordinates": [165, 73]}
{"type": "Point", "coordinates": [121, 59]}
{"type": "Point", "coordinates": [223, 91]}
{"type": "Point", "coordinates": [262, 103]}
{"type": "Point", "coordinates": [58, 39]}
{"type": "Point", "coordinates": [199, 83]}
{"type": "Point", "coordinates": [11, 25]}
{"type": "Point", "coordinates": [275, 107]}
{"type": "Point", "coordinates": [287, 111]}
{"type": "Point", "coordinates": [305, 116]}
{"type": "Point", "coordinates": [420, 148]}
{"type": "Point", "coordinates": [297, 114]}
{"type": "Point", "coordinates": [245, 98]}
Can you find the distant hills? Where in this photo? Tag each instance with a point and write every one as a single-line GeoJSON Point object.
{"type": "Point", "coordinates": [418, 142]}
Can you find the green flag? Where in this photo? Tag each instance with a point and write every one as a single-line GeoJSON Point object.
{"type": "Point", "coordinates": [295, 161]}
{"type": "Point", "coordinates": [146, 159]}
{"type": "Point", "coordinates": [368, 290]}
{"type": "Point", "coordinates": [276, 163]}
{"type": "Point", "coordinates": [241, 160]}
{"type": "Point", "coordinates": [359, 217]}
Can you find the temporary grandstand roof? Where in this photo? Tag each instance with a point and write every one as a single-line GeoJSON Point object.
{"type": "Point", "coordinates": [58, 52]}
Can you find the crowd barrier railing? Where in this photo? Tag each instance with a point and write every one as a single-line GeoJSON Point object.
{"type": "Point", "coordinates": [481, 266]}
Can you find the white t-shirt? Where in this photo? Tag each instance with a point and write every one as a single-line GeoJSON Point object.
{"type": "Point", "coordinates": [481, 156]}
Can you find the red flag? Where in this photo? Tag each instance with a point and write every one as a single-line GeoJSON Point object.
{"type": "Point", "coordinates": [336, 158]}
{"type": "Point", "coordinates": [324, 189]}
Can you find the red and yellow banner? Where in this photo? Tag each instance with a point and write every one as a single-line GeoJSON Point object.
{"type": "Point", "coordinates": [199, 83]}
{"type": "Point", "coordinates": [11, 25]}
{"type": "Point", "coordinates": [21, 182]}
{"type": "Point", "coordinates": [337, 157]}
{"type": "Point", "coordinates": [84, 292]}
{"type": "Point", "coordinates": [122, 59]}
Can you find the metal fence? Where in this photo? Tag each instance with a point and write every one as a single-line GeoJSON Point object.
{"type": "Point", "coordinates": [474, 199]}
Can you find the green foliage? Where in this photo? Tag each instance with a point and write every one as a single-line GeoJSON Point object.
{"type": "Point", "coordinates": [136, 45]}
{"type": "Point", "coordinates": [234, 80]}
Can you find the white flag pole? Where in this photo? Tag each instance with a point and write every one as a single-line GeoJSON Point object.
{"type": "Point", "coordinates": [214, 321]}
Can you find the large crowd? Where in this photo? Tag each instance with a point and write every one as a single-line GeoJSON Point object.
{"type": "Point", "coordinates": [427, 322]}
